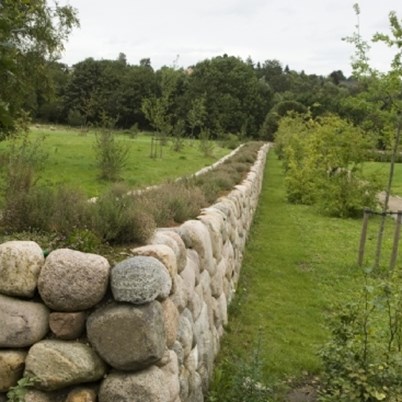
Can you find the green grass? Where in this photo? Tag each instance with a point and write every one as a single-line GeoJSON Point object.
{"type": "Point", "coordinates": [381, 171]}
{"type": "Point", "coordinates": [297, 265]}
{"type": "Point", "coordinates": [71, 160]}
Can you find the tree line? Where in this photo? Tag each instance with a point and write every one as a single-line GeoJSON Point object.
{"type": "Point", "coordinates": [224, 94]}
{"type": "Point", "coordinates": [214, 97]}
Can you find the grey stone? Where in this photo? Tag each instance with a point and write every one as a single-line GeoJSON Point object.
{"type": "Point", "coordinates": [162, 253]}
{"type": "Point", "coordinates": [185, 334]}
{"type": "Point", "coordinates": [72, 281]}
{"type": "Point", "coordinates": [171, 376]}
{"type": "Point", "coordinates": [180, 294]}
{"type": "Point", "coordinates": [146, 385]}
{"type": "Point", "coordinates": [58, 364]}
{"type": "Point", "coordinates": [140, 280]}
{"type": "Point", "coordinates": [196, 236]}
{"type": "Point", "coordinates": [128, 337]}
{"type": "Point", "coordinates": [20, 264]}
{"type": "Point", "coordinates": [174, 241]}
{"type": "Point", "coordinates": [67, 326]}
{"type": "Point", "coordinates": [34, 395]}
{"type": "Point", "coordinates": [171, 319]}
{"type": "Point", "coordinates": [22, 322]}
{"type": "Point", "coordinates": [12, 363]}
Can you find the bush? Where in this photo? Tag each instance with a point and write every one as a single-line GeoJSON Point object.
{"type": "Point", "coordinates": [120, 218]}
{"type": "Point", "coordinates": [322, 159]}
{"type": "Point", "coordinates": [363, 360]}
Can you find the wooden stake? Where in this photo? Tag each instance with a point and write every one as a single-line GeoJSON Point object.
{"type": "Point", "coordinates": [363, 237]}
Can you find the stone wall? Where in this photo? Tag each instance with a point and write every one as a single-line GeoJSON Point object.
{"type": "Point", "coordinates": [147, 329]}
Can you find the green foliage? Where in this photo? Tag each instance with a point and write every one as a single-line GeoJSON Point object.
{"type": "Point", "coordinates": [17, 393]}
{"type": "Point", "coordinates": [121, 218]}
{"type": "Point", "coordinates": [323, 161]}
{"type": "Point", "coordinates": [363, 360]}
{"type": "Point", "coordinates": [31, 32]}
{"type": "Point", "coordinates": [111, 155]}
{"type": "Point", "coordinates": [246, 382]}
{"type": "Point", "coordinates": [206, 145]}
{"type": "Point", "coordinates": [84, 240]}
{"type": "Point", "coordinates": [75, 118]}
{"type": "Point", "coordinates": [24, 160]}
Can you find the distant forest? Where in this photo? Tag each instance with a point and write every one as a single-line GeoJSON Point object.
{"type": "Point", "coordinates": [224, 94]}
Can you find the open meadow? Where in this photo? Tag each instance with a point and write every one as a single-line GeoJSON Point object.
{"type": "Point", "coordinates": [70, 159]}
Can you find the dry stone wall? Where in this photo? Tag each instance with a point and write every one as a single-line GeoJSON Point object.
{"type": "Point", "coordinates": [145, 330]}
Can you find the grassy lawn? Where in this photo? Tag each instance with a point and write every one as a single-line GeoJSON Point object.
{"type": "Point", "coordinates": [381, 170]}
{"type": "Point", "coordinates": [297, 265]}
{"type": "Point", "coordinates": [71, 160]}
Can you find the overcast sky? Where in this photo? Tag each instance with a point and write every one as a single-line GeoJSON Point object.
{"type": "Point", "coordinates": [304, 34]}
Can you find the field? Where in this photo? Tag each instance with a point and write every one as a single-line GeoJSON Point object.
{"type": "Point", "coordinates": [381, 170]}
{"type": "Point", "coordinates": [71, 160]}
{"type": "Point", "coordinates": [297, 266]}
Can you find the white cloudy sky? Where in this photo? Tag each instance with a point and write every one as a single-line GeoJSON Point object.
{"type": "Point", "coordinates": [305, 34]}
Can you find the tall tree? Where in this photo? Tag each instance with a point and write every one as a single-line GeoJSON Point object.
{"type": "Point", "coordinates": [31, 33]}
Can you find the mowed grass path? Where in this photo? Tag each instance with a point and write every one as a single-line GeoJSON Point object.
{"type": "Point", "coordinates": [71, 160]}
{"type": "Point", "coordinates": [297, 265]}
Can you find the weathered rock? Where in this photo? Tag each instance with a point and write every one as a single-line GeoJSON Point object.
{"type": "Point", "coordinates": [204, 339]}
{"type": "Point", "coordinates": [193, 260]}
{"type": "Point", "coordinates": [146, 385]}
{"type": "Point", "coordinates": [173, 240]}
{"type": "Point", "coordinates": [184, 378]}
{"type": "Point", "coordinates": [162, 253]}
{"type": "Point", "coordinates": [72, 281]}
{"type": "Point", "coordinates": [171, 320]}
{"type": "Point", "coordinates": [195, 388]}
{"type": "Point", "coordinates": [20, 264]}
{"type": "Point", "coordinates": [185, 334]}
{"type": "Point", "coordinates": [178, 349]}
{"type": "Point", "coordinates": [188, 275]}
{"type": "Point", "coordinates": [217, 284]}
{"type": "Point", "coordinates": [140, 280]}
{"type": "Point", "coordinates": [22, 323]}
{"type": "Point", "coordinates": [196, 236]}
{"type": "Point", "coordinates": [81, 395]}
{"type": "Point", "coordinates": [67, 326]}
{"type": "Point", "coordinates": [180, 295]}
{"type": "Point", "coordinates": [58, 364]}
{"type": "Point", "coordinates": [128, 337]}
{"type": "Point", "coordinates": [12, 363]}
{"type": "Point", "coordinates": [214, 223]}
{"type": "Point", "coordinates": [195, 302]}
{"type": "Point", "coordinates": [34, 395]}
{"type": "Point", "coordinates": [171, 375]}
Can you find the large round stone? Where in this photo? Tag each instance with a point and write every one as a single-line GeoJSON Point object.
{"type": "Point", "coordinates": [22, 323]}
{"type": "Point", "coordinates": [20, 264]}
{"type": "Point", "coordinates": [148, 385]}
{"type": "Point", "coordinates": [72, 281]}
{"type": "Point", "coordinates": [58, 364]}
{"type": "Point", "coordinates": [128, 337]}
{"type": "Point", "coordinates": [140, 280]}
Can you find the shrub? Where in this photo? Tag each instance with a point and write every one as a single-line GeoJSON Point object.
{"type": "Point", "coordinates": [206, 145]}
{"type": "Point", "coordinates": [111, 156]}
{"type": "Point", "coordinates": [120, 217]}
{"type": "Point", "coordinates": [363, 361]}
